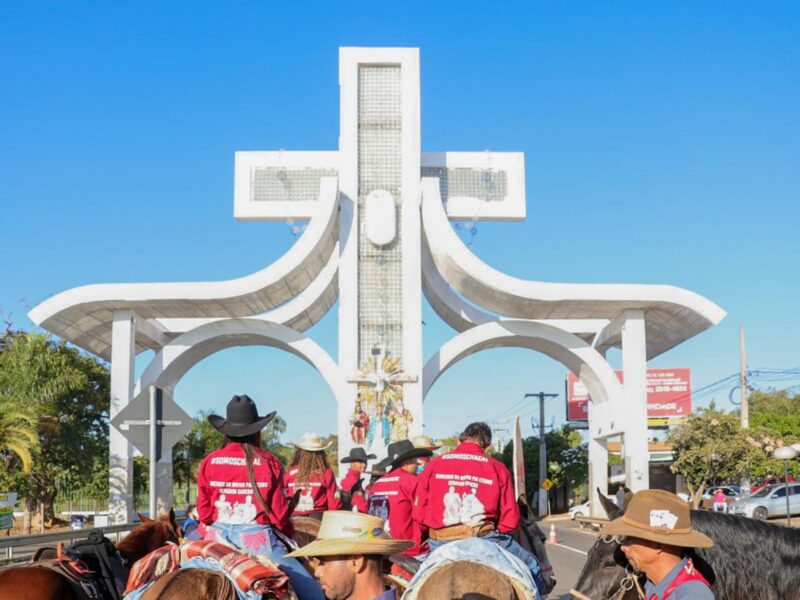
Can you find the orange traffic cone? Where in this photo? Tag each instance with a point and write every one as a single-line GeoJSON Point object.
{"type": "Point", "coordinates": [552, 538]}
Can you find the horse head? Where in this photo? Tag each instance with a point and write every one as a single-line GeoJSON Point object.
{"type": "Point", "coordinates": [150, 535]}
{"type": "Point", "coordinates": [606, 573]}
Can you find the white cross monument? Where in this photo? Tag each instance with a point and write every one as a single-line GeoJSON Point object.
{"type": "Point", "coordinates": [379, 236]}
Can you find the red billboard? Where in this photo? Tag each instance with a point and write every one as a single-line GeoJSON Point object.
{"type": "Point", "coordinates": [669, 395]}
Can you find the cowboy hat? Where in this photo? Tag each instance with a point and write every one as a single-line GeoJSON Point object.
{"type": "Point", "coordinates": [423, 441]}
{"type": "Point", "coordinates": [357, 454]}
{"type": "Point", "coordinates": [403, 450]}
{"type": "Point", "coordinates": [312, 443]}
{"type": "Point", "coordinates": [241, 418]}
{"type": "Point", "coordinates": [342, 532]}
{"type": "Point", "coordinates": [658, 516]}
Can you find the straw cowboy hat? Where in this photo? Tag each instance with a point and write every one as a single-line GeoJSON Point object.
{"type": "Point", "coordinates": [342, 532]}
{"type": "Point", "coordinates": [312, 443]}
{"type": "Point", "coordinates": [423, 441]}
{"type": "Point", "coordinates": [241, 418]}
{"type": "Point", "coordinates": [357, 454]}
{"type": "Point", "coordinates": [658, 516]}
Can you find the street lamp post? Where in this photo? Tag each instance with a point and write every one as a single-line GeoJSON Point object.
{"type": "Point", "coordinates": [786, 453]}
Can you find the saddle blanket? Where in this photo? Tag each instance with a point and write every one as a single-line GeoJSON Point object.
{"type": "Point", "coordinates": [248, 574]}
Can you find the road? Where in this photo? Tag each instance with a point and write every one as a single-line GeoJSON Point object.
{"type": "Point", "coordinates": [568, 556]}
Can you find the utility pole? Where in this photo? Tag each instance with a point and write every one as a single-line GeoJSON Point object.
{"type": "Point", "coordinates": [745, 407]}
{"type": "Point", "coordinates": [542, 452]}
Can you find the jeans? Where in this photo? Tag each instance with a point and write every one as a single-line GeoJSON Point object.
{"type": "Point", "coordinates": [510, 545]}
{"type": "Point", "coordinates": [262, 541]}
{"type": "Point", "coordinates": [721, 506]}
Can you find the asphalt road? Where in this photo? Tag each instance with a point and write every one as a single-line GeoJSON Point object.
{"type": "Point", "coordinates": [568, 556]}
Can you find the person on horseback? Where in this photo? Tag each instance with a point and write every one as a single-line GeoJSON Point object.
{"type": "Point", "coordinates": [349, 550]}
{"type": "Point", "coordinates": [423, 441]}
{"type": "Point", "coordinates": [657, 531]}
{"type": "Point", "coordinates": [392, 496]}
{"type": "Point", "coordinates": [241, 496]}
{"type": "Point", "coordinates": [310, 474]}
{"type": "Point", "coordinates": [466, 493]}
{"type": "Point", "coordinates": [352, 485]}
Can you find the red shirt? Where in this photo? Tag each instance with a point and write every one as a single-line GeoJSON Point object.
{"type": "Point", "coordinates": [224, 492]}
{"type": "Point", "coordinates": [466, 485]}
{"type": "Point", "coordinates": [392, 498]}
{"type": "Point", "coordinates": [317, 495]}
{"type": "Point", "coordinates": [348, 482]}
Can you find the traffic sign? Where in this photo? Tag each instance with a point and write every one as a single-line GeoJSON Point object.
{"type": "Point", "coordinates": [172, 423]}
{"type": "Point", "coordinates": [547, 484]}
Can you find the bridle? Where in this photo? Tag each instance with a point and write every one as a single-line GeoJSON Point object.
{"type": "Point", "coordinates": [629, 582]}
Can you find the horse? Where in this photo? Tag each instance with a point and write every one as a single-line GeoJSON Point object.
{"type": "Point", "coordinates": [200, 584]}
{"type": "Point", "coordinates": [749, 559]}
{"type": "Point", "coordinates": [44, 582]}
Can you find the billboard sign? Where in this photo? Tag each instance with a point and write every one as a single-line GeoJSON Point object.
{"type": "Point", "coordinates": [7, 502]}
{"type": "Point", "coordinates": [669, 396]}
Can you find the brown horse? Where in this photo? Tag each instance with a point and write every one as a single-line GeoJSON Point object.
{"type": "Point", "coordinates": [197, 584]}
{"type": "Point", "coordinates": [32, 582]}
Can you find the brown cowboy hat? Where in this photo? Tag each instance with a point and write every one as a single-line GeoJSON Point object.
{"type": "Point", "coordinates": [344, 533]}
{"type": "Point", "coordinates": [658, 516]}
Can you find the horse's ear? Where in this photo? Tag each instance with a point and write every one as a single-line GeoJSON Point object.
{"type": "Point", "coordinates": [612, 510]}
{"type": "Point", "coordinates": [143, 518]}
{"type": "Point", "coordinates": [172, 515]}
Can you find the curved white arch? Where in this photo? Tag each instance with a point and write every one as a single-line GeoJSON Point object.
{"type": "Point", "coordinates": [674, 314]}
{"type": "Point", "coordinates": [567, 348]}
{"type": "Point", "coordinates": [83, 315]}
{"type": "Point", "coordinates": [176, 358]}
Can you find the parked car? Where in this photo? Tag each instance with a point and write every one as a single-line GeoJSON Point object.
{"type": "Point", "coordinates": [769, 502]}
{"type": "Point", "coordinates": [579, 510]}
{"type": "Point", "coordinates": [771, 480]}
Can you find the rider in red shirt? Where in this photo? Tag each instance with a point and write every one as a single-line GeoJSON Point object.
{"type": "Point", "coordinates": [392, 496]}
{"type": "Point", "coordinates": [240, 493]}
{"type": "Point", "coordinates": [352, 486]}
{"type": "Point", "coordinates": [310, 474]}
{"type": "Point", "coordinates": [467, 493]}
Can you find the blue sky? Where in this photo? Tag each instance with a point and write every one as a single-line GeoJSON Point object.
{"type": "Point", "coordinates": [661, 144]}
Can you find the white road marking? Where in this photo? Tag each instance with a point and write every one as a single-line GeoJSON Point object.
{"type": "Point", "coordinates": [570, 548]}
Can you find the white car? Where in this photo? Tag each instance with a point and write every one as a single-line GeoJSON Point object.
{"type": "Point", "coordinates": [579, 510]}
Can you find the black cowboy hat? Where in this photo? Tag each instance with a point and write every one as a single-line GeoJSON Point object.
{"type": "Point", "coordinates": [403, 450]}
{"type": "Point", "coordinates": [242, 418]}
{"type": "Point", "coordinates": [358, 454]}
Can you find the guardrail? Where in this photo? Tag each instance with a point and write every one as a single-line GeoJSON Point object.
{"type": "Point", "coordinates": [591, 522]}
{"type": "Point", "coordinates": [20, 548]}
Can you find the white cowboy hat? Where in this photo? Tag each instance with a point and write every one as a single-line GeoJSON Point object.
{"type": "Point", "coordinates": [312, 443]}
{"type": "Point", "coordinates": [342, 532]}
{"type": "Point", "coordinates": [423, 441]}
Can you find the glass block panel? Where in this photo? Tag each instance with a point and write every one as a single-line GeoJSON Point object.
{"type": "Point", "coordinates": [380, 302]}
{"type": "Point", "coordinates": [489, 185]}
{"type": "Point", "coordinates": [279, 184]}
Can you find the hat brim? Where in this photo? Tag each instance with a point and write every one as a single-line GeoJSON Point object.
{"type": "Point", "coordinates": [692, 539]}
{"type": "Point", "coordinates": [414, 453]}
{"type": "Point", "coordinates": [313, 448]}
{"type": "Point", "coordinates": [351, 459]}
{"type": "Point", "coordinates": [239, 429]}
{"type": "Point", "coordinates": [345, 546]}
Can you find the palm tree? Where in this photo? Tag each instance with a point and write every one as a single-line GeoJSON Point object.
{"type": "Point", "coordinates": [18, 435]}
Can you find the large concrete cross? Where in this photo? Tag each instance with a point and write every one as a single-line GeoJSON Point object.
{"type": "Point", "coordinates": [379, 165]}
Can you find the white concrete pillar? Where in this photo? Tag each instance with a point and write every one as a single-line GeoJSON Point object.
{"type": "Point", "coordinates": [164, 475]}
{"type": "Point", "coordinates": [598, 474]}
{"type": "Point", "coordinates": [634, 371]}
{"type": "Point", "coordinates": [120, 475]}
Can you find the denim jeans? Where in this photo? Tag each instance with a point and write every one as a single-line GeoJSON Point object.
{"type": "Point", "coordinates": [510, 545]}
{"type": "Point", "coordinates": [262, 541]}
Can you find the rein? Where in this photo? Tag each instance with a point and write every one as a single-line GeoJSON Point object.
{"type": "Point", "coordinates": [629, 582]}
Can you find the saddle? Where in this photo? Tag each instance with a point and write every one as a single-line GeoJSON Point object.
{"type": "Point", "coordinates": [87, 566]}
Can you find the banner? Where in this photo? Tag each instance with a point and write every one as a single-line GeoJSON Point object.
{"type": "Point", "coordinates": [7, 503]}
{"type": "Point", "coordinates": [669, 396]}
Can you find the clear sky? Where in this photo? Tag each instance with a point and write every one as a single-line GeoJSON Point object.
{"type": "Point", "coordinates": [662, 145]}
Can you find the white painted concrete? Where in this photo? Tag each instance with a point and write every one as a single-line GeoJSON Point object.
{"type": "Point", "coordinates": [634, 409]}
{"type": "Point", "coordinates": [120, 480]}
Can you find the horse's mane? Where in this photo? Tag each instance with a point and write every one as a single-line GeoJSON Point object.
{"type": "Point", "coordinates": [771, 552]}
{"type": "Point", "coordinates": [142, 540]}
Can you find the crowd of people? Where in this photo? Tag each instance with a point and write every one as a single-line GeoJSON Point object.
{"type": "Point", "coordinates": [413, 504]}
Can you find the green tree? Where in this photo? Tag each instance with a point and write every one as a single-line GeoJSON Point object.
{"type": "Point", "coordinates": [777, 412]}
{"type": "Point", "coordinates": [710, 447]}
{"type": "Point", "coordinates": [67, 394]}
{"type": "Point", "coordinates": [18, 437]}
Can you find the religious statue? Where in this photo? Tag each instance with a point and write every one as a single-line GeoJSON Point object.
{"type": "Point", "coordinates": [359, 424]}
{"type": "Point", "coordinates": [399, 417]}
